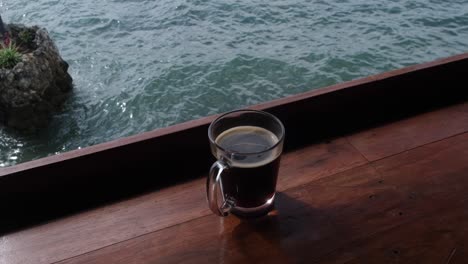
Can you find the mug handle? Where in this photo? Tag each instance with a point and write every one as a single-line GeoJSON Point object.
{"type": "Point", "coordinates": [214, 186]}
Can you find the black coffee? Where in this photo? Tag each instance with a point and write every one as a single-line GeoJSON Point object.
{"type": "Point", "coordinates": [251, 179]}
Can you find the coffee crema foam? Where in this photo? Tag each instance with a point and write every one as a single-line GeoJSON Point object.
{"type": "Point", "coordinates": [246, 144]}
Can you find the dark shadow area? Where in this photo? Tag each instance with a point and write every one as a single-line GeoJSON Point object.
{"type": "Point", "coordinates": [28, 209]}
{"type": "Point", "coordinates": [298, 232]}
{"type": "Point", "coordinates": [288, 234]}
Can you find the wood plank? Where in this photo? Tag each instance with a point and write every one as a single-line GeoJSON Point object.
{"type": "Point", "coordinates": [437, 168]}
{"type": "Point", "coordinates": [455, 223]}
{"type": "Point", "coordinates": [434, 173]}
{"type": "Point", "coordinates": [437, 238]}
{"type": "Point", "coordinates": [105, 226]}
{"type": "Point", "coordinates": [317, 161]}
{"type": "Point", "coordinates": [398, 137]}
{"type": "Point", "coordinates": [328, 218]}
{"type": "Point", "coordinates": [299, 231]}
{"type": "Point", "coordinates": [423, 240]}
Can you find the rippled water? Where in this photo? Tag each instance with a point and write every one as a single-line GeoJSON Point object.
{"type": "Point", "coordinates": [139, 65]}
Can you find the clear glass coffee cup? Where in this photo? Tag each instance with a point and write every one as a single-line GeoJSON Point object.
{"type": "Point", "coordinates": [247, 145]}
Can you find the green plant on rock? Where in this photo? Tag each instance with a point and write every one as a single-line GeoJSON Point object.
{"type": "Point", "coordinates": [9, 57]}
{"type": "Point", "coordinates": [25, 36]}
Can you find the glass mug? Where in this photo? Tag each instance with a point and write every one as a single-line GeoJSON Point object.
{"type": "Point", "coordinates": [248, 146]}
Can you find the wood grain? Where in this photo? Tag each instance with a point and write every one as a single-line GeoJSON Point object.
{"type": "Point", "coordinates": [298, 228]}
{"type": "Point", "coordinates": [413, 132]}
{"type": "Point", "coordinates": [104, 226]}
{"type": "Point", "coordinates": [317, 161]}
{"type": "Point", "coordinates": [128, 219]}
{"type": "Point", "coordinates": [423, 240]}
{"type": "Point", "coordinates": [400, 211]}
{"type": "Point", "coordinates": [434, 176]}
{"type": "Point", "coordinates": [438, 168]}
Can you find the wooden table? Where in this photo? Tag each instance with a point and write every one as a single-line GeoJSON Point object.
{"type": "Point", "coordinates": [391, 194]}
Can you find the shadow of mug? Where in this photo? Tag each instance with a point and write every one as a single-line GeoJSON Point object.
{"type": "Point", "coordinates": [289, 233]}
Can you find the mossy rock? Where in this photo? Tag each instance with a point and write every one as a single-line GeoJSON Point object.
{"type": "Point", "coordinates": [23, 38]}
{"type": "Point", "coordinates": [37, 85]}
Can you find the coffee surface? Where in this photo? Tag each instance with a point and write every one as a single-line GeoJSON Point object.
{"type": "Point", "coordinates": [251, 178]}
{"type": "Point", "coordinates": [246, 139]}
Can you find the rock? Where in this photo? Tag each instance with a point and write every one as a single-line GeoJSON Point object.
{"type": "Point", "coordinates": [37, 86]}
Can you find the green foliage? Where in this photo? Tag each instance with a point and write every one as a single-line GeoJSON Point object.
{"type": "Point", "coordinates": [25, 36]}
{"type": "Point", "coordinates": [9, 57]}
